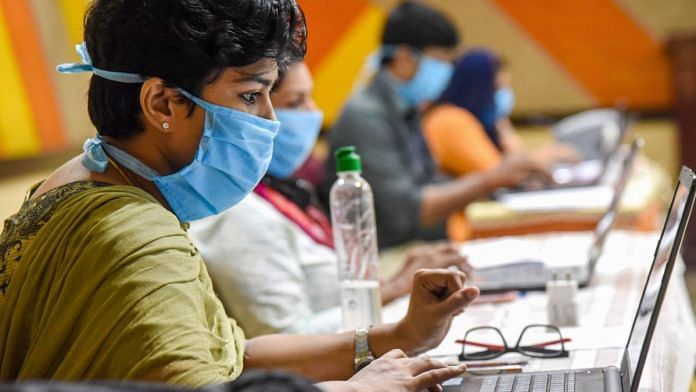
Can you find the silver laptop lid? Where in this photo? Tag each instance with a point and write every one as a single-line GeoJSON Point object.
{"type": "Point", "coordinates": [656, 285]}
{"type": "Point", "coordinates": [606, 223]}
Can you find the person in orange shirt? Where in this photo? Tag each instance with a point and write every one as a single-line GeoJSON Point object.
{"type": "Point", "coordinates": [468, 129]}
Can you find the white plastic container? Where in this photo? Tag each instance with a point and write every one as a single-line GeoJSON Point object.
{"type": "Point", "coordinates": [562, 307]}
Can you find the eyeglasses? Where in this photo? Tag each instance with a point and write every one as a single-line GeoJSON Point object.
{"type": "Point", "coordinates": [536, 340]}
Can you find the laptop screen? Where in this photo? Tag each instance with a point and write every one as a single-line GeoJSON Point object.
{"type": "Point", "coordinates": [648, 302]}
{"type": "Point", "coordinates": [607, 221]}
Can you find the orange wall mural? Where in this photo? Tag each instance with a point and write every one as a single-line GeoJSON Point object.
{"type": "Point", "coordinates": [600, 45]}
{"type": "Point", "coordinates": [564, 55]}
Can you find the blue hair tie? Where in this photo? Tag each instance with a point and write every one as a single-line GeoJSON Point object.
{"type": "Point", "coordinates": [94, 158]}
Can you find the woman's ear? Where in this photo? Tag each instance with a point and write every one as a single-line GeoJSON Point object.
{"type": "Point", "coordinates": [161, 105]}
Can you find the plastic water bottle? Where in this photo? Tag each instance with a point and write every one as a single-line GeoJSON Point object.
{"type": "Point", "coordinates": [355, 238]}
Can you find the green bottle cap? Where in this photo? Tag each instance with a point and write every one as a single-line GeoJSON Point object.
{"type": "Point", "coordinates": [347, 160]}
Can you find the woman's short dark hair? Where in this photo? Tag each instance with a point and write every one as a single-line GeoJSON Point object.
{"type": "Point", "coordinates": [187, 43]}
{"type": "Point", "coordinates": [419, 26]}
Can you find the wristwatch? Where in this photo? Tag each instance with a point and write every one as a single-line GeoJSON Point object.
{"type": "Point", "coordinates": [363, 355]}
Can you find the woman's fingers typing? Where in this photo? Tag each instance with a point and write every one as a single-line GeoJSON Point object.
{"type": "Point", "coordinates": [435, 377]}
{"type": "Point", "coordinates": [394, 371]}
{"type": "Point", "coordinates": [422, 364]}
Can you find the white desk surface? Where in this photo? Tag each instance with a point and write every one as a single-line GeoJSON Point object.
{"type": "Point", "coordinates": [607, 308]}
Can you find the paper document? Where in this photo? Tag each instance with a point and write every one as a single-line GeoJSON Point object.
{"type": "Point", "coordinates": [558, 250]}
{"type": "Point", "coordinates": [583, 172]}
{"type": "Point", "coordinates": [553, 200]}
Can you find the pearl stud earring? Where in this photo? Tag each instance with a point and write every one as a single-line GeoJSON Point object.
{"type": "Point", "coordinates": [165, 125]}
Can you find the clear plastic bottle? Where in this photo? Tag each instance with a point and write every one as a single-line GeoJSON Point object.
{"type": "Point", "coordinates": [355, 238]}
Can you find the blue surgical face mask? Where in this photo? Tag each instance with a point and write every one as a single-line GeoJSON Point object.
{"type": "Point", "coordinates": [504, 102]}
{"type": "Point", "coordinates": [430, 80]}
{"type": "Point", "coordinates": [298, 133]}
{"type": "Point", "coordinates": [232, 157]}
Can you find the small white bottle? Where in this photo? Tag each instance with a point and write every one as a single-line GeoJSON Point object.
{"type": "Point", "coordinates": [562, 307]}
{"type": "Point", "coordinates": [355, 238]}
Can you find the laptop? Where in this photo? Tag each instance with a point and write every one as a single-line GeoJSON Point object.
{"type": "Point", "coordinates": [592, 172]}
{"type": "Point", "coordinates": [587, 173]}
{"type": "Point", "coordinates": [530, 272]}
{"type": "Point", "coordinates": [610, 379]}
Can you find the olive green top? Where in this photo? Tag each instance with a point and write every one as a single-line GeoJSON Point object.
{"type": "Point", "coordinates": [101, 282]}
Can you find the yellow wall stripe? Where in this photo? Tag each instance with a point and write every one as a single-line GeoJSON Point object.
{"type": "Point", "coordinates": [73, 15]}
{"type": "Point", "coordinates": [70, 89]}
{"type": "Point", "coordinates": [18, 133]}
{"type": "Point", "coordinates": [335, 76]}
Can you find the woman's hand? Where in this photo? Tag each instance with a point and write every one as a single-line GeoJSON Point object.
{"type": "Point", "coordinates": [395, 371]}
{"type": "Point", "coordinates": [437, 296]}
{"type": "Point", "coordinates": [437, 256]}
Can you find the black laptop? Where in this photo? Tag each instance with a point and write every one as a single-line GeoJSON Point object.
{"type": "Point", "coordinates": [610, 379]}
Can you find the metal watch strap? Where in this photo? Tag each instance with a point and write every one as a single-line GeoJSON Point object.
{"type": "Point", "coordinates": [363, 354]}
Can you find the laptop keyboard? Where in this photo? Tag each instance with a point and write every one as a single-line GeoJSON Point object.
{"type": "Point", "coordinates": [516, 273]}
{"type": "Point", "coordinates": [550, 382]}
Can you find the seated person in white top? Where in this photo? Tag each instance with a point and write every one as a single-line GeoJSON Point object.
{"type": "Point", "coordinates": [271, 257]}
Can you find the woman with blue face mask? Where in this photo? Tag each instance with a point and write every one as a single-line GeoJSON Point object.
{"type": "Point", "coordinates": [468, 129]}
{"type": "Point", "coordinates": [99, 279]}
{"type": "Point", "coordinates": [271, 257]}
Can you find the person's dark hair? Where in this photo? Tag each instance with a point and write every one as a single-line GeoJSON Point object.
{"type": "Point", "coordinates": [187, 43]}
{"type": "Point", "coordinates": [283, 72]}
{"type": "Point", "coordinates": [266, 381]}
{"type": "Point", "coordinates": [416, 25]}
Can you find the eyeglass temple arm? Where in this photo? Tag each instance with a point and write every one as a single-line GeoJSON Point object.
{"type": "Point", "coordinates": [557, 341]}
{"type": "Point", "coordinates": [492, 347]}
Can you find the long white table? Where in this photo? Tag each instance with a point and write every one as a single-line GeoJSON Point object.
{"type": "Point", "coordinates": [607, 309]}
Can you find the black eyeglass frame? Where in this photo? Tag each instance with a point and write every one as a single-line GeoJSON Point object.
{"type": "Point", "coordinates": [529, 351]}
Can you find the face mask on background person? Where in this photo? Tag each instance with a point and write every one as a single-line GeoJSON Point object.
{"type": "Point", "coordinates": [299, 130]}
{"type": "Point", "coordinates": [232, 157]}
{"type": "Point", "coordinates": [430, 80]}
{"type": "Point", "coordinates": [504, 102]}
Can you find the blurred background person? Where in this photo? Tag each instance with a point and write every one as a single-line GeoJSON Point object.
{"type": "Point", "coordinates": [413, 200]}
{"type": "Point", "coordinates": [469, 130]}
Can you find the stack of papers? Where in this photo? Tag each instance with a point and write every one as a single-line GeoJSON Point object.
{"type": "Point", "coordinates": [555, 200]}
{"type": "Point", "coordinates": [557, 250]}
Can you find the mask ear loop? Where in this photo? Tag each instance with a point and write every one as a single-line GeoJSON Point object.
{"type": "Point", "coordinates": [87, 66]}
{"type": "Point", "coordinates": [93, 147]}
